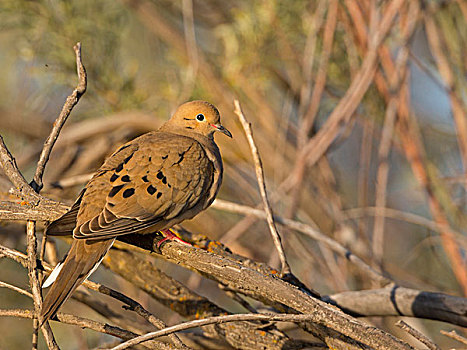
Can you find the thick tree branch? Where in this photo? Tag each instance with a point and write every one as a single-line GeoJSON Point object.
{"type": "Point", "coordinates": [173, 294]}
{"type": "Point", "coordinates": [399, 301]}
{"type": "Point", "coordinates": [327, 321]}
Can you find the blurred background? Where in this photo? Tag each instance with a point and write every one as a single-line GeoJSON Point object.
{"type": "Point", "coordinates": [391, 186]}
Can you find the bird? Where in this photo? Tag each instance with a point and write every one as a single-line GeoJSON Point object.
{"type": "Point", "coordinates": [149, 184]}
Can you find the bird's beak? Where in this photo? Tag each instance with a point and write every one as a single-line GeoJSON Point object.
{"type": "Point", "coordinates": [223, 130]}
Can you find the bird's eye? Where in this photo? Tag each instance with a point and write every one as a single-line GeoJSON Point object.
{"type": "Point", "coordinates": [200, 117]}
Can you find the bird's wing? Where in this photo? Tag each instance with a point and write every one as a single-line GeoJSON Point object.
{"type": "Point", "coordinates": [155, 179]}
{"type": "Point", "coordinates": [65, 224]}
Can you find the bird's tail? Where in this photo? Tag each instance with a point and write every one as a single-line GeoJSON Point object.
{"type": "Point", "coordinates": [82, 260]}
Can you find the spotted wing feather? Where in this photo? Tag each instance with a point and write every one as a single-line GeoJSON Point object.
{"type": "Point", "coordinates": [163, 177]}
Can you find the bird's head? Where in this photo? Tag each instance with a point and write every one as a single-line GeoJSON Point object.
{"type": "Point", "coordinates": [200, 117]}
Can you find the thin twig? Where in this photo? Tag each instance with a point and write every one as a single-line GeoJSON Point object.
{"type": "Point", "coordinates": [307, 230]}
{"type": "Point", "coordinates": [445, 70]}
{"type": "Point", "coordinates": [16, 289]}
{"type": "Point", "coordinates": [285, 268]}
{"type": "Point", "coordinates": [213, 320]}
{"type": "Point", "coordinates": [71, 101]}
{"type": "Point", "coordinates": [453, 334]}
{"type": "Point", "coordinates": [320, 143]}
{"type": "Point", "coordinates": [399, 83]}
{"type": "Point", "coordinates": [81, 322]}
{"type": "Point", "coordinates": [318, 89]}
{"type": "Point", "coordinates": [417, 335]}
{"type": "Point", "coordinates": [134, 306]}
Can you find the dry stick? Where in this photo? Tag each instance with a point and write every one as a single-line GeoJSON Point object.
{"type": "Point", "coordinates": [285, 268]}
{"type": "Point", "coordinates": [394, 300]}
{"type": "Point", "coordinates": [417, 335]}
{"type": "Point", "coordinates": [71, 101]}
{"type": "Point", "coordinates": [310, 116]}
{"type": "Point", "coordinates": [307, 230]}
{"type": "Point", "coordinates": [414, 151]}
{"type": "Point", "coordinates": [399, 83]}
{"type": "Point", "coordinates": [447, 74]}
{"type": "Point", "coordinates": [134, 306]}
{"type": "Point", "coordinates": [37, 184]}
{"type": "Point", "coordinates": [34, 282]}
{"type": "Point", "coordinates": [81, 322]}
{"type": "Point", "coordinates": [213, 320]}
{"type": "Point", "coordinates": [356, 213]}
{"type": "Point", "coordinates": [16, 289]}
{"type": "Point", "coordinates": [320, 143]}
{"type": "Point", "coordinates": [452, 334]}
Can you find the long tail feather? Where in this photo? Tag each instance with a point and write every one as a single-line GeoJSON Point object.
{"type": "Point", "coordinates": [83, 258]}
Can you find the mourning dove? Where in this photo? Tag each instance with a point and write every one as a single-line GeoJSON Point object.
{"type": "Point", "coordinates": [149, 184]}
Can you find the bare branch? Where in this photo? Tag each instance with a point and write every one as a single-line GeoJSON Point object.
{"type": "Point", "coordinates": [134, 306]}
{"type": "Point", "coordinates": [417, 335]}
{"type": "Point", "coordinates": [453, 334]}
{"type": "Point", "coordinates": [285, 268]}
{"type": "Point", "coordinates": [307, 230]}
{"type": "Point", "coordinates": [71, 101]}
{"type": "Point", "coordinates": [16, 289]}
{"type": "Point", "coordinates": [188, 304]}
{"type": "Point", "coordinates": [213, 320]}
{"type": "Point", "coordinates": [399, 301]}
{"type": "Point", "coordinates": [86, 323]}
{"type": "Point", "coordinates": [34, 282]}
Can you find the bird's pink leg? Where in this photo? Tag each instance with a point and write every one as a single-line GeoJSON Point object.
{"type": "Point", "coordinates": [170, 236]}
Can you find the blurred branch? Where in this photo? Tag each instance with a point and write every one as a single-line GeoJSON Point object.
{"type": "Point", "coordinates": [394, 300]}
{"type": "Point", "coordinates": [413, 147]}
{"type": "Point", "coordinates": [310, 232]}
{"type": "Point", "coordinates": [399, 89]}
{"type": "Point", "coordinates": [309, 117]}
{"type": "Point", "coordinates": [455, 336]}
{"type": "Point", "coordinates": [446, 72]}
{"type": "Point", "coordinates": [417, 335]}
{"type": "Point", "coordinates": [320, 143]}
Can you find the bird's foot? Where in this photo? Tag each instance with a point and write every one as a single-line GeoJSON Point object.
{"type": "Point", "coordinates": [170, 236]}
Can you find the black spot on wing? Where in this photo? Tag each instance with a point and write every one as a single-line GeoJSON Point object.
{"type": "Point", "coordinates": [125, 178]}
{"type": "Point", "coordinates": [122, 148]}
{"type": "Point", "coordinates": [164, 180]}
{"type": "Point", "coordinates": [151, 189]}
{"type": "Point", "coordinates": [127, 159]}
{"type": "Point", "coordinates": [115, 190]}
{"type": "Point", "coordinates": [113, 177]}
{"type": "Point", "coordinates": [181, 156]}
{"type": "Point", "coordinates": [145, 178]}
{"type": "Point", "coordinates": [119, 168]}
{"type": "Point", "coordinates": [160, 175]}
{"type": "Point", "coordinates": [128, 192]}
{"type": "Point", "coordinates": [165, 157]}
{"type": "Point", "coordinates": [158, 195]}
